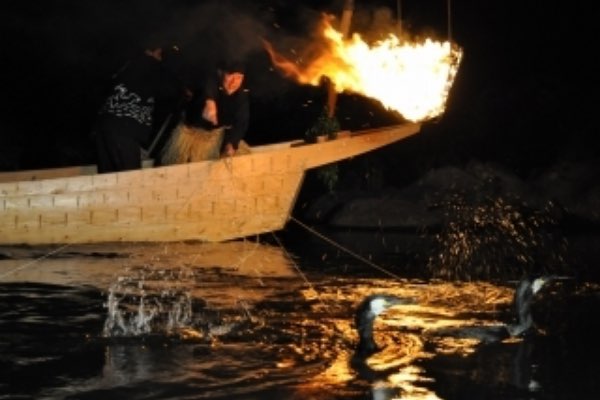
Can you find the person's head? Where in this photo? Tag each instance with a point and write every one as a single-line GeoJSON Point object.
{"type": "Point", "coordinates": [233, 74]}
{"type": "Point", "coordinates": [158, 45]}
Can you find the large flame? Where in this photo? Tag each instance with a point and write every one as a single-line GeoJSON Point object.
{"type": "Point", "coordinates": [411, 78]}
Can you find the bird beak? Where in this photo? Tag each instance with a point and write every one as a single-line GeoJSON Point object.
{"type": "Point", "coordinates": [538, 283]}
{"type": "Point", "coordinates": [559, 278]}
{"type": "Point", "coordinates": [394, 300]}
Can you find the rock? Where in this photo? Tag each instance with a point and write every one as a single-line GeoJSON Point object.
{"type": "Point", "coordinates": [573, 188]}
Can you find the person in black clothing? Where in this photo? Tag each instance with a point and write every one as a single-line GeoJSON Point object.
{"type": "Point", "coordinates": [226, 104]}
{"type": "Point", "coordinates": [125, 122]}
{"type": "Point", "coordinates": [215, 121]}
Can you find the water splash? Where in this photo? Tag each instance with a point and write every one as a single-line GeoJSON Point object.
{"type": "Point", "coordinates": [496, 237]}
{"type": "Point", "coordinates": [149, 301]}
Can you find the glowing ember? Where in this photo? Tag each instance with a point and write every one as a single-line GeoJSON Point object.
{"type": "Point", "coordinates": [412, 79]}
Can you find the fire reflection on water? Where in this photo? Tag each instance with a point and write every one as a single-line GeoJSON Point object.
{"type": "Point", "coordinates": [230, 332]}
{"type": "Point", "coordinates": [403, 332]}
{"type": "Point", "coordinates": [317, 332]}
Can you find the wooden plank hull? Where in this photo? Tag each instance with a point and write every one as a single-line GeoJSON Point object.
{"type": "Point", "coordinates": [209, 201]}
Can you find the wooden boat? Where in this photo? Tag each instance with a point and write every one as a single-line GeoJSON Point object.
{"type": "Point", "coordinates": [209, 201]}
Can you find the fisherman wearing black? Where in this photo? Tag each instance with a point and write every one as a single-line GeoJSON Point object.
{"type": "Point", "coordinates": [125, 121]}
{"type": "Point", "coordinates": [223, 102]}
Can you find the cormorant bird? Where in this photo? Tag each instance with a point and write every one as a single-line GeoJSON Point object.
{"type": "Point", "coordinates": [367, 311]}
{"type": "Point", "coordinates": [364, 319]}
{"type": "Point", "coordinates": [522, 300]}
{"type": "Point", "coordinates": [373, 305]}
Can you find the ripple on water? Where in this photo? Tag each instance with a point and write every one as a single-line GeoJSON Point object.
{"type": "Point", "coordinates": [293, 342]}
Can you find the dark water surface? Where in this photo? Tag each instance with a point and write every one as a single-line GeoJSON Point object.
{"type": "Point", "coordinates": [163, 335]}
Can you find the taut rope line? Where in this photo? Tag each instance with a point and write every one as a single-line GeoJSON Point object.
{"type": "Point", "coordinates": [12, 271]}
{"type": "Point", "coordinates": [335, 244]}
{"type": "Point", "coordinates": [299, 271]}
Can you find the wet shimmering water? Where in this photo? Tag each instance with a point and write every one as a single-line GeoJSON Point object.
{"type": "Point", "coordinates": [163, 334]}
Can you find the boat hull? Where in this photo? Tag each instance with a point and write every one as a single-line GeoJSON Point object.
{"type": "Point", "coordinates": [209, 201]}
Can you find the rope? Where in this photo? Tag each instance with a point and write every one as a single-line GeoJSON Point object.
{"type": "Point", "coordinates": [299, 271]}
{"type": "Point", "coordinates": [340, 247]}
{"type": "Point", "coordinates": [449, 16]}
{"type": "Point", "coordinates": [12, 271]}
{"type": "Point", "coordinates": [235, 181]}
{"type": "Point", "coordinates": [339, 333]}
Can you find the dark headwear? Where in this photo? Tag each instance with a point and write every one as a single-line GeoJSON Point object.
{"type": "Point", "coordinates": [232, 66]}
{"type": "Point", "coordinates": [174, 62]}
{"type": "Point", "coordinates": [156, 41]}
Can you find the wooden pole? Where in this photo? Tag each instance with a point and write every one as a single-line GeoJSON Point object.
{"type": "Point", "coordinates": [344, 29]}
{"type": "Point", "coordinates": [449, 12]}
{"type": "Point", "coordinates": [399, 16]}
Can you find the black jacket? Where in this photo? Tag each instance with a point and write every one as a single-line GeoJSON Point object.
{"type": "Point", "coordinates": [233, 111]}
{"type": "Point", "coordinates": [137, 86]}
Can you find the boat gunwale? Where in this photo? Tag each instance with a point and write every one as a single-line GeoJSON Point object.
{"type": "Point", "coordinates": [38, 175]}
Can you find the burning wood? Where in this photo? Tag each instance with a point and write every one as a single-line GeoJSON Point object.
{"type": "Point", "coordinates": [413, 79]}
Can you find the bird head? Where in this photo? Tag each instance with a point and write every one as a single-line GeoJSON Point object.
{"type": "Point", "coordinates": [369, 308]}
{"type": "Point", "coordinates": [524, 294]}
{"type": "Point", "coordinates": [528, 287]}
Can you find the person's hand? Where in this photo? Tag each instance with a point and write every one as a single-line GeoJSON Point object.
{"type": "Point", "coordinates": [228, 151]}
{"type": "Point", "coordinates": [209, 112]}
